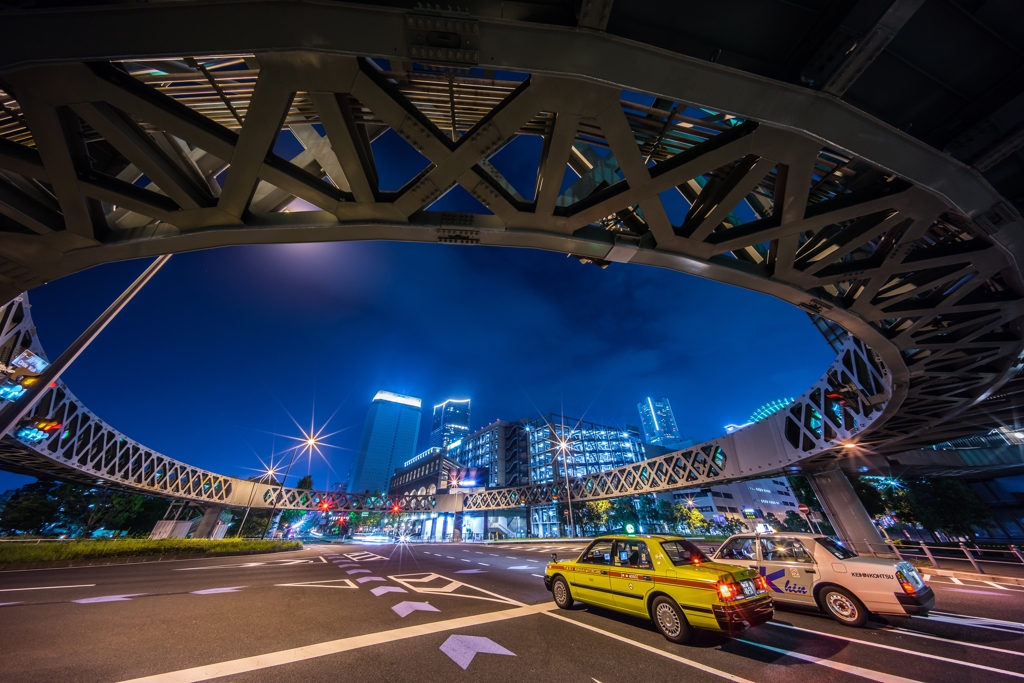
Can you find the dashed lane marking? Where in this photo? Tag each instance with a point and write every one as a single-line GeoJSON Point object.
{"type": "Point", "coordinates": [265, 661]}
{"type": "Point", "coordinates": [108, 598]}
{"type": "Point", "coordinates": [996, 585]}
{"type": "Point", "coordinates": [46, 588]}
{"type": "Point", "coordinates": [213, 591]}
{"type": "Point", "coordinates": [928, 636]}
{"type": "Point", "coordinates": [483, 564]}
{"type": "Point", "coordinates": [956, 581]}
{"type": "Point", "coordinates": [539, 576]}
{"type": "Point", "coordinates": [892, 648]}
{"type": "Point", "coordinates": [342, 583]}
{"type": "Point", "coordinates": [668, 655]}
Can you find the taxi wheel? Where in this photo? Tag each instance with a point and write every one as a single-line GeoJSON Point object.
{"type": "Point", "coordinates": [670, 620]}
{"type": "Point", "coordinates": [844, 607]}
{"type": "Point", "coordinates": [560, 591]}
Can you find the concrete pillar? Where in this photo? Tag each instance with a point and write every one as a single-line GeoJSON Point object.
{"type": "Point", "coordinates": [444, 525]}
{"type": "Point", "coordinates": [208, 524]}
{"type": "Point", "coordinates": [529, 522]}
{"type": "Point", "coordinates": [845, 511]}
{"type": "Point", "coordinates": [457, 528]}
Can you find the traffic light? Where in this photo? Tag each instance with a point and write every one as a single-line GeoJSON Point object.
{"type": "Point", "coordinates": [395, 508]}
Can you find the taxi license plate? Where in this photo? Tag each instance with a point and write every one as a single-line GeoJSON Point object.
{"type": "Point", "coordinates": [748, 589]}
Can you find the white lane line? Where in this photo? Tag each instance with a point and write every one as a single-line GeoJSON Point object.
{"type": "Point", "coordinates": [956, 581]}
{"type": "Point", "coordinates": [298, 654]}
{"type": "Point", "coordinates": [465, 560]}
{"type": "Point", "coordinates": [996, 585]}
{"type": "Point", "coordinates": [892, 648]}
{"type": "Point", "coordinates": [927, 577]}
{"type": "Point", "coordinates": [492, 554]}
{"type": "Point", "coordinates": [982, 620]}
{"type": "Point", "coordinates": [529, 560]}
{"type": "Point", "coordinates": [324, 559]}
{"type": "Point", "coordinates": [838, 666]}
{"type": "Point", "coordinates": [539, 576]}
{"type": "Point", "coordinates": [950, 641]}
{"type": "Point", "coordinates": [45, 588]}
{"type": "Point", "coordinates": [689, 662]}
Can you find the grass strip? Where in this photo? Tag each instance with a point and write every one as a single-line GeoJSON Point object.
{"type": "Point", "coordinates": [55, 551]}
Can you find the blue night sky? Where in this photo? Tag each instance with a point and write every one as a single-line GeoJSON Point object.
{"type": "Point", "coordinates": [207, 359]}
{"type": "Point", "coordinates": [222, 346]}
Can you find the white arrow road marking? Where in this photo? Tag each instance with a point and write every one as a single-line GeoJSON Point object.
{"type": "Point", "coordinates": [108, 598]}
{"type": "Point", "coordinates": [364, 579]}
{"type": "Point", "coordinates": [381, 590]}
{"type": "Point", "coordinates": [436, 584]}
{"type": "Point", "coordinates": [358, 571]}
{"type": "Point", "coordinates": [525, 566]}
{"type": "Point", "coordinates": [45, 588]}
{"type": "Point", "coordinates": [211, 591]}
{"type": "Point", "coordinates": [404, 609]}
{"type": "Point", "coordinates": [299, 654]}
{"type": "Point", "coordinates": [343, 583]}
{"type": "Point", "coordinates": [462, 649]}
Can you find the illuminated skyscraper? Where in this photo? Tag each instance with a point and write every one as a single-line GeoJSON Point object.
{"type": "Point", "coordinates": [389, 439]}
{"type": "Point", "coordinates": [659, 422]}
{"type": "Point", "coordinates": [451, 423]}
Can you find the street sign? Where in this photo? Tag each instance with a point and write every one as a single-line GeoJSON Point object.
{"type": "Point", "coordinates": [803, 509]}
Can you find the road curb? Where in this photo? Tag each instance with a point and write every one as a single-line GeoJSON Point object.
{"type": "Point", "coordinates": [137, 559]}
{"type": "Point", "coordinates": [995, 578]}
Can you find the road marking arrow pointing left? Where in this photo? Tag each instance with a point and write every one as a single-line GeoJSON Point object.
{"type": "Point", "coordinates": [404, 609]}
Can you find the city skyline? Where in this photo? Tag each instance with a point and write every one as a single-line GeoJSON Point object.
{"type": "Point", "coordinates": [325, 303]}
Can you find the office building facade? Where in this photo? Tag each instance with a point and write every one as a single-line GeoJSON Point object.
{"type": "Point", "coordinates": [450, 423]}
{"type": "Point", "coordinates": [500, 448]}
{"type": "Point", "coordinates": [388, 440]}
{"type": "Point", "coordinates": [748, 501]}
{"type": "Point", "coordinates": [659, 422]}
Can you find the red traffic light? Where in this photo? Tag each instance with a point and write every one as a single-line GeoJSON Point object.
{"type": "Point", "coordinates": [395, 508]}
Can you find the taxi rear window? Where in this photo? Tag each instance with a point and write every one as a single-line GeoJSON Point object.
{"type": "Point", "coordinates": [840, 551]}
{"type": "Point", "coordinates": [683, 552]}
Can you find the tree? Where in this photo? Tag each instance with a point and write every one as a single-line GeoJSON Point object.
{"type": "Point", "coordinates": [30, 509]}
{"type": "Point", "coordinates": [648, 511]}
{"type": "Point", "coordinates": [306, 482]}
{"type": "Point", "coordinates": [774, 521]}
{"type": "Point", "coordinates": [795, 522]}
{"type": "Point", "coordinates": [594, 515]}
{"type": "Point", "coordinates": [666, 514]}
{"type": "Point", "coordinates": [695, 520]}
{"type": "Point", "coordinates": [940, 503]}
{"type": "Point", "coordinates": [734, 526]}
{"type": "Point", "coordinates": [622, 513]}
{"type": "Point", "coordinates": [803, 492]}
{"type": "Point", "coordinates": [869, 495]}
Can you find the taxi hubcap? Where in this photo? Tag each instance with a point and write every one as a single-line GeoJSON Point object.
{"type": "Point", "coordinates": [559, 592]}
{"type": "Point", "coordinates": [667, 619]}
{"type": "Point", "coordinates": [842, 606]}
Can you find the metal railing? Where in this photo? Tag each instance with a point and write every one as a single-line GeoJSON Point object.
{"type": "Point", "coordinates": [935, 554]}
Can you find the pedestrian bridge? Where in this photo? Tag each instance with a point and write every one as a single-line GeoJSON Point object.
{"type": "Point", "coordinates": [114, 146]}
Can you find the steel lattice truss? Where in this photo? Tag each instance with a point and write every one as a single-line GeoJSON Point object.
{"type": "Point", "coordinates": [842, 404]}
{"type": "Point", "coordinates": [109, 160]}
{"type": "Point", "coordinates": [88, 450]}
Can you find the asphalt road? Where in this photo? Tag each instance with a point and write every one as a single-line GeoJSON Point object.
{"type": "Point", "coordinates": [449, 613]}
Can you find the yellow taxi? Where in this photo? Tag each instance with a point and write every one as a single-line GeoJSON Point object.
{"type": "Point", "coordinates": [666, 579]}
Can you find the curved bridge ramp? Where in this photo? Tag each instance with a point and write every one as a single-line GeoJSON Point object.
{"type": "Point", "coordinates": [848, 399]}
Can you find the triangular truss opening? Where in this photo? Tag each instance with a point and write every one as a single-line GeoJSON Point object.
{"type": "Point", "coordinates": [458, 200]}
{"type": "Point", "coordinates": [517, 164]}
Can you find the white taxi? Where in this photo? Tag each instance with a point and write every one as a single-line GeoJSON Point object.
{"type": "Point", "coordinates": [815, 571]}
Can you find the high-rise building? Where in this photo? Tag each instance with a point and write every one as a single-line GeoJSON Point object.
{"type": "Point", "coordinates": [389, 439]}
{"type": "Point", "coordinates": [659, 422]}
{"type": "Point", "coordinates": [498, 448]}
{"type": "Point", "coordinates": [451, 423]}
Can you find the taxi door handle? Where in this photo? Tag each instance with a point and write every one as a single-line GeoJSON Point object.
{"type": "Point", "coordinates": [604, 573]}
{"type": "Point", "coordinates": [809, 571]}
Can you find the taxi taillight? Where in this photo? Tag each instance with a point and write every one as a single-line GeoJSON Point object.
{"type": "Point", "coordinates": [729, 591]}
{"type": "Point", "coordinates": [761, 583]}
{"type": "Point", "coordinates": [905, 583]}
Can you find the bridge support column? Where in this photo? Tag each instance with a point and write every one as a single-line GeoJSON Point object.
{"type": "Point", "coordinates": [457, 528]}
{"type": "Point", "coordinates": [210, 525]}
{"type": "Point", "coordinates": [845, 511]}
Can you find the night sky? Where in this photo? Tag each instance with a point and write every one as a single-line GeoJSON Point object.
{"type": "Point", "coordinates": [222, 346]}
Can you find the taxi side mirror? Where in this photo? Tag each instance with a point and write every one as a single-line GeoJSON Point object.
{"type": "Point", "coordinates": [554, 557]}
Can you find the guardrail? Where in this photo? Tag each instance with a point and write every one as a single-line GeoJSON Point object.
{"type": "Point", "coordinates": [959, 553]}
